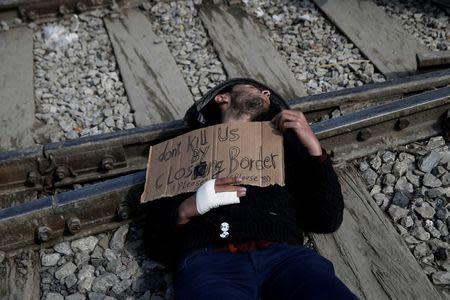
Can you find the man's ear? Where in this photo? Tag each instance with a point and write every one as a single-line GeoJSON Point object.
{"type": "Point", "coordinates": [222, 98]}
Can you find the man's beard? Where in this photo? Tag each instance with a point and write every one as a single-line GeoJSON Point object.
{"type": "Point", "coordinates": [251, 105]}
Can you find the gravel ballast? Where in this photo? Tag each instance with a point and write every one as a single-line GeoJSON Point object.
{"type": "Point", "coordinates": [78, 90]}
{"type": "Point", "coordinates": [408, 184]}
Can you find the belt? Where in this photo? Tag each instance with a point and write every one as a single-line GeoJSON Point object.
{"type": "Point", "coordinates": [242, 247]}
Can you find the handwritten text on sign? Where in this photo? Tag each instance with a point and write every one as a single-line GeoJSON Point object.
{"type": "Point", "coordinates": [253, 151]}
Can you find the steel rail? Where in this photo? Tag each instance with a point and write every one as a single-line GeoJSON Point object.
{"type": "Point", "coordinates": [28, 173]}
{"type": "Point", "coordinates": [114, 200]}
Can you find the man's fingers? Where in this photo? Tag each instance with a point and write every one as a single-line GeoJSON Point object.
{"type": "Point", "coordinates": [287, 125]}
{"type": "Point", "coordinates": [228, 181]}
{"type": "Point", "coordinates": [229, 188]}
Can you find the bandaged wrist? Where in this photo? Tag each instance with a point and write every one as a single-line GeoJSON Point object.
{"type": "Point", "coordinates": [207, 198]}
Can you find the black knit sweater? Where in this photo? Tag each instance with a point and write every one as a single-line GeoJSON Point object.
{"type": "Point", "coordinates": [310, 201]}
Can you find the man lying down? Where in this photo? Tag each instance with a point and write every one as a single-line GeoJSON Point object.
{"type": "Point", "coordinates": [233, 241]}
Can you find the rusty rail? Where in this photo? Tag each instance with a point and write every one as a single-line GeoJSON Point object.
{"type": "Point", "coordinates": [112, 201]}
{"type": "Point", "coordinates": [36, 172]}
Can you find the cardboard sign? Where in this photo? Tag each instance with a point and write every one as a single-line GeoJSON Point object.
{"type": "Point", "coordinates": [251, 150]}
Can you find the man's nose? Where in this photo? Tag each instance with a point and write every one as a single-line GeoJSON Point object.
{"type": "Point", "coordinates": [266, 93]}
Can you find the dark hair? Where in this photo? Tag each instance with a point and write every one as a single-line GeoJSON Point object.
{"type": "Point", "coordinates": [205, 112]}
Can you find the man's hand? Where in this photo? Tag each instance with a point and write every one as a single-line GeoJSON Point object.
{"type": "Point", "coordinates": [188, 208]}
{"type": "Point", "coordinates": [296, 121]}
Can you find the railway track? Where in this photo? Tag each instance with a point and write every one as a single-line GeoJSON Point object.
{"type": "Point", "coordinates": [71, 189]}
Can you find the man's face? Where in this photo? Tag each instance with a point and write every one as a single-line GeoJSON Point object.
{"type": "Point", "coordinates": [248, 99]}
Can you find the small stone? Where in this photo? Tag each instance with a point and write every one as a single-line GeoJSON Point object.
{"type": "Point", "coordinates": [86, 244]}
{"type": "Point", "coordinates": [407, 222]}
{"type": "Point", "coordinates": [428, 162]}
{"type": "Point", "coordinates": [99, 296]}
{"type": "Point", "coordinates": [71, 280]}
{"type": "Point", "coordinates": [76, 296]}
{"type": "Point", "coordinates": [421, 250]}
{"type": "Point", "coordinates": [411, 240]}
{"type": "Point", "coordinates": [109, 254]}
{"type": "Point", "coordinates": [375, 162]}
{"type": "Point", "coordinates": [370, 176]}
{"type": "Point", "coordinates": [441, 278]}
{"type": "Point", "coordinates": [401, 230]}
{"type": "Point", "coordinates": [415, 180]}
{"type": "Point", "coordinates": [402, 184]}
{"type": "Point", "coordinates": [420, 233]}
{"type": "Point", "coordinates": [386, 168]}
{"type": "Point", "coordinates": [48, 260]}
{"type": "Point", "coordinates": [434, 193]}
{"type": "Point", "coordinates": [431, 181]}
{"type": "Point", "coordinates": [388, 157]}
{"type": "Point", "coordinates": [65, 270]}
{"type": "Point", "coordinates": [81, 258]}
{"type": "Point", "coordinates": [425, 211]}
{"type": "Point", "coordinates": [103, 282]}
{"type": "Point", "coordinates": [63, 248]}
{"type": "Point", "coordinates": [54, 296]}
{"type": "Point", "coordinates": [435, 142]}
{"type": "Point", "coordinates": [401, 198]}
{"type": "Point", "coordinates": [121, 286]}
{"type": "Point", "coordinates": [443, 229]}
{"type": "Point", "coordinates": [375, 190]}
{"type": "Point", "coordinates": [97, 253]}
{"type": "Point", "coordinates": [118, 239]}
{"type": "Point", "coordinates": [389, 179]}
{"type": "Point", "coordinates": [363, 166]}
{"type": "Point", "coordinates": [397, 212]}
{"type": "Point", "coordinates": [399, 169]}
{"type": "Point", "coordinates": [446, 179]}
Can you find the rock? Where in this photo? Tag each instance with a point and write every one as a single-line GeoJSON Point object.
{"type": "Point", "coordinates": [48, 260]}
{"type": "Point", "coordinates": [54, 296]}
{"type": "Point", "coordinates": [2, 256]}
{"type": "Point", "coordinates": [370, 176]}
{"type": "Point", "coordinates": [76, 296]}
{"type": "Point", "coordinates": [401, 199]}
{"type": "Point", "coordinates": [65, 270]}
{"type": "Point", "coordinates": [402, 184]}
{"type": "Point", "coordinates": [429, 225]}
{"type": "Point", "coordinates": [121, 286]}
{"type": "Point", "coordinates": [63, 248]}
{"type": "Point", "coordinates": [425, 211]}
{"type": "Point", "coordinates": [109, 254]}
{"type": "Point", "coordinates": [388, 157]}
{"type": "Point", "coordinates": [104, 282]}
{"type": "Point", "coordinates": [85, 278]}
{"type": "Point", "coordinates": [420, 233]}
{"type": "Point", "coordinates": [99, 296]}
{"type": "Point", "coordinates": [443, 229]}
{"type": "Point", "coordinates": [407, 222]}
{"type": "Point", "coordinates": [441, 278]}
{"type": "Point", "coordinates": [400, 168]}
{"type": "Point", "coordinates": [431, 181]}
{"type": "Point", "coordinates": [428, 162]}
{"type": "Point", "coordinates": [376, 189]}
{"type": "Point", "coordinates": [375, 162]}
{"type": "Point", "coordinates": [118, 239]}
{"type": "Point", "coordinates": [386, 168]}
{"type": "Point", "coordinates": [401, 230]}
{"type": "Point", "coordinates": [446, 179]}
{"type": "Point", "coordinates": [81, 258]}
{"type": "Point", "coordinates": [421, 250]}
{"type": "Point", "coordinates": [389, 179]}
{"type": "Point", "coordinates": [363, 166]}
{"type": "Point", "coordinates": [435, 142]}
{"type": "Point", "coordinates": [71, 280]}
{"type": "Point", "coordinates": [415, 180]}
{"type": "Point", "coordinates": [397, 212]}
{"type": "Point", "coordinates": [411, 240]}
{"type": "Point", "coordinates": [85, 244]}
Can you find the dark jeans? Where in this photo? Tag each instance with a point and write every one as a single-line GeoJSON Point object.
{"type": "Point", "coordinates": [281, 271]}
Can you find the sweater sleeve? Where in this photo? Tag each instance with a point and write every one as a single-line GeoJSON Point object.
{"type": "Point", "coordinates": [314, 185]}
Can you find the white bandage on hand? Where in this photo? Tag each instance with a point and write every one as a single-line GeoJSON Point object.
{"type": "Point", "coordinates": [207, 198]}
